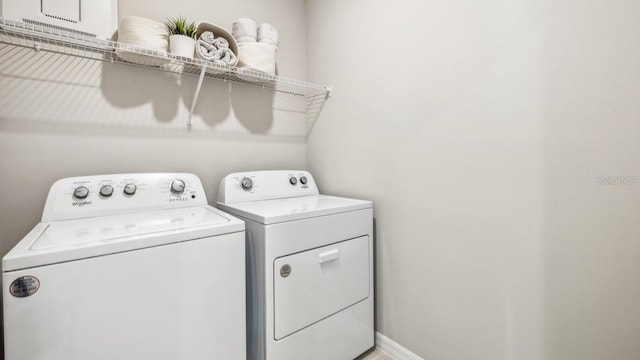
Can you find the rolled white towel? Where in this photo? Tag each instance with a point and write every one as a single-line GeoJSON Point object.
{"type": "Point", "coordinates": [208, 37]}
{"type": "Point", "coordinates": [245, 30]}
{"type": "Point", "coordinates": [267, 34]}
{"type": "Point", "coordinates": [226, 57]}
{"type": "Point", "coordinates": [206, 51]}
{"type": "Point", "coordinates": [220, 43]}
{"type": "Point", "coordinates": [257, 56]}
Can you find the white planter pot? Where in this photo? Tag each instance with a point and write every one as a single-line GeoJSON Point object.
{"type": "Point", "coordinates": [182, 45]}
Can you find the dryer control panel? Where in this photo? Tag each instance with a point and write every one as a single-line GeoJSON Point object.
{"type": "Point", "coordinates": [102, 195]}
{"type": "Point", "coordinates": [266, 185]}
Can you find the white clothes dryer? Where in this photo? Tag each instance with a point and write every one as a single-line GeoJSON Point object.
{"type": "Point", "coordinates": [130, 266]}
{"type": "Point", "coordinates": [309, 267]}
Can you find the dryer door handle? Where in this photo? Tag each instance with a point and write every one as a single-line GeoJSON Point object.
{"type": "Point", "coordinates": [327, 256]}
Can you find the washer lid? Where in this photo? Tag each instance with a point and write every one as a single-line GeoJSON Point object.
{"type": "Point", "coordinates": [60, 241]}
{"type": "Point", "coordinates": [297, 208]}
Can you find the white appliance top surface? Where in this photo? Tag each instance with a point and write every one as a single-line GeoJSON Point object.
{"type": "Point", "coordinates": [295, 208]}
{"type": "Point", "coordinates": [85, 232]}
{"type": "Point", "coordinates": [60, 241]}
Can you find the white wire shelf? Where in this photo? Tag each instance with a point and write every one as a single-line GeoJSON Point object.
{"type": "Point", "coordinates": [307, 98]}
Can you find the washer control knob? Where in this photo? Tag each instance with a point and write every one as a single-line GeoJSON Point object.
{"type": "Point", "coordinates": [177, 186]}
{"type": "Point", "coordinates": [130, 189]}
{"type": "Point", "coordinates": [106, 190]}
{"type": "Point", "coordinates": [303, 180]}
{"type": "Point", "coordinates": [246, 184]}
{"type": "Point", "coordinates": [293, 180]}
{"type": "Point", "coordinates": [80, 192]}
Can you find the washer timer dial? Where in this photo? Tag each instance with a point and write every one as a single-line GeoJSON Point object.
{"type": "Point", "coordinates": [81, 192]}
{"type": "Point", "coordinates": [130, 189]}
{"type": "Point", "coordinates": [246, 184]}
{"type": "Point", "coordinates": [106, 190]}
{"type": "Point", "coordinates": [177, 186]}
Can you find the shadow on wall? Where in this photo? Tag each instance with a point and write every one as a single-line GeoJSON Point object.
{"type": "Point", "coordinates": [249, 104]}
{"type": "Point", "coordinates": [127, 90]}
{"type": "Point", "coordinates": [213, 102]}
{"type": "Point", "coordinates": [252, 106]}
{"type": "Point", "coordinates": [52, 93]}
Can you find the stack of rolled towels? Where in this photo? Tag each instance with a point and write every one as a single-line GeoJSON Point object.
{"type": "Point", "coordinates": [257, 45]}
{"type": "Point", "coordinates": [215, 49]}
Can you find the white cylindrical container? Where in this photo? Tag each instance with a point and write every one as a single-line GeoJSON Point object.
{"type": "Point", "coordinates": [182, 45]}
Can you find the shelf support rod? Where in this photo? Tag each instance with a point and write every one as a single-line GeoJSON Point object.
{"type": "Point", "coordinates": [195, 96]}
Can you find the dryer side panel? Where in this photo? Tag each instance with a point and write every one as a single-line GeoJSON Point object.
{"type": "Point", "coordinates": [255, 290]}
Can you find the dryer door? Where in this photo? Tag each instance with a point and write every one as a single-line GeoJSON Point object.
{"type": "Point", "coordinates": [312, 285]}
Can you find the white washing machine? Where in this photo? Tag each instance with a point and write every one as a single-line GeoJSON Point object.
{"type": "Point", "coordinates": [132, 266]}
{"type": "Point", "coordinates": [309, 267]}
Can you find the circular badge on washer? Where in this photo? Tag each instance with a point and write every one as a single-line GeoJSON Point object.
{"type": "Point", "coordinates": [285, 270]}
{"type": "Point", "coordinates": [24, 286]}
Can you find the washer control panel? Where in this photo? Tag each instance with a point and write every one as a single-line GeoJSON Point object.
{"type": "Point", "coordinates": [266, 185]}
{"type": "Point", "coordinates": [89, 196]}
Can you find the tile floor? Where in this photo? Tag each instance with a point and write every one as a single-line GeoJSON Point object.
{"type": "Point", "coordinates": [377, 354]}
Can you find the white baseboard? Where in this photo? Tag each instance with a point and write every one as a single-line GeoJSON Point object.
{"type": "Point", "coordinates": [393, 349]}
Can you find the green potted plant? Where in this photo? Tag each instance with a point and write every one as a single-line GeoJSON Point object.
{"type": "Point", "coordinates": [181, 36]}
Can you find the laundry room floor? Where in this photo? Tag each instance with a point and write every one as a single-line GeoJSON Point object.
{"type": "Point", "coordinates": [376, 355]}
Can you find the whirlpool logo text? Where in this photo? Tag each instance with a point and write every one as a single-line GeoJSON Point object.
{"type": "Point", "coordinates": [81, 203]}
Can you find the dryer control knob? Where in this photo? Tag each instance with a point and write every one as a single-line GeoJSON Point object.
{"type": "Point", "coordinates": [80, 192]}
{"type": "Point", "coordinates": [177, 186]}
{"type": "Point", "coordinates": [303, 180]}
{"type": "Point", "coordinates": [293, 180]}
{"type": "Point", "coordinates": [130, 189]}
{"type": "Point", "coordinates": [246, 184]}
{"type": "Point", "coordinates": [106, 190]}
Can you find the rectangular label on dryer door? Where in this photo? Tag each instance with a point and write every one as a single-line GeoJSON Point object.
{"type": "Point", "coordinates": [312, 285]}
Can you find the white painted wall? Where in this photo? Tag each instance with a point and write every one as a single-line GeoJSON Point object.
{"type": "Point", "coordinates": [62, 117]}
{"type": "Point", "coordinates": [484, 132]}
